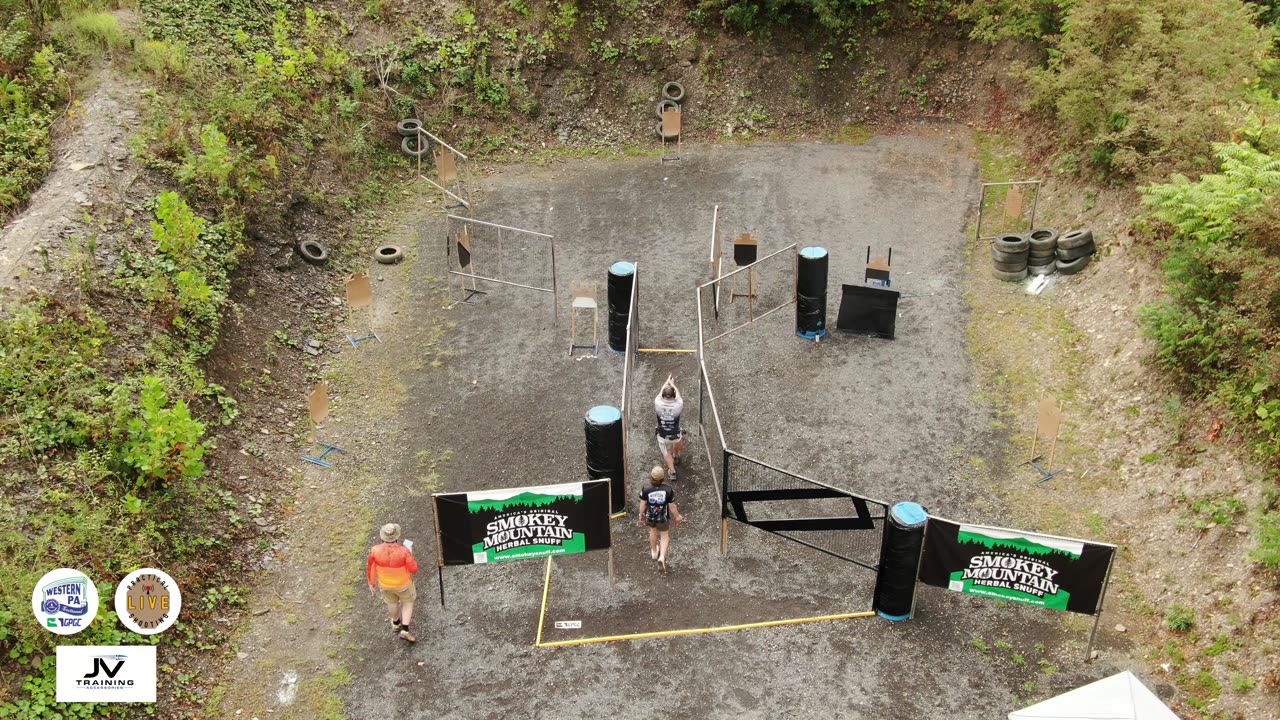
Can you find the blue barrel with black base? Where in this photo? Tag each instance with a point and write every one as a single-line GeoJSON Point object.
{"type": "Point", "coordinates": [604, 453]}
{"type": "Point", "coordinates": [811, 293]}
{"type": "Point", "coordinates": [895, 593]}
{"type": "Point", "coordinates": [622, 275]}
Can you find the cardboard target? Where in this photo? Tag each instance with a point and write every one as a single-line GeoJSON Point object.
{"type": "Point", "coordinates": [318, 402]}
{"type": "Point", "coordinates": [1013, 201]}
{"type": "Point", "coordinates": [359, 291]}
{"type": "Point", "coordinates": [1049, 417]}
{"type": "Point", "coordinates": [464, 249]}
{"type": "Point", "coordinates": [446, 166]}
{"type": "Point", "coordinates": [670, 122]}
{"type": "Point", "coordinates": [745, 249]}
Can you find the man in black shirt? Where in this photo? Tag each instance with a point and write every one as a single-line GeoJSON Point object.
{"type": "Point", "coordinates": [658, 510]}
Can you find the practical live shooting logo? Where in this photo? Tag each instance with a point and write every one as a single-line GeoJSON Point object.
{"type": "Point", "coordinates": [65, 601]}
{"type": "Point", "coordinates": [148, 601]}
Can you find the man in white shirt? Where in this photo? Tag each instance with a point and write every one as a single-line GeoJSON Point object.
{"type": "Point", "coordinates": [669, 408]}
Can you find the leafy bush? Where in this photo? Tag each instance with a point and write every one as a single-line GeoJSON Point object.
{"type": "Point", "coordinates": [164, 440]}
{"type": "Point", "coordinates": [1140, 85]}
{"type": "Point", "coordinates": [1180, 618]}
{"type": "Point", "coordinates": [1267, 532]}
{"type": "Point", "coordinates": [999, 19]}
{"type": "Point", "coordinates": [99, 28]}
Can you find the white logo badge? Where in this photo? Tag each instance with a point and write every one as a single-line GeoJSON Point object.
{"type": "Point", "coordinates": [65, 601]}
{"type": "Point", "coordinates": [148, 601]}
{"type": "Point", "coordinates": [106, 673]}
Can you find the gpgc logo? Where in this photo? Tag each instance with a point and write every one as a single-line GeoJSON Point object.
{"type": "Point", "coordinates": [65, 601]}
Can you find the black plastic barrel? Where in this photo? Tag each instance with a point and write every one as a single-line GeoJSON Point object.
{"type": "Point", "coordinates": [621, 276]}
{"type": "Point", "coordinates": [811, 293]}
{"type": "Point", "coordinates": [895, 592]}
{"type": "Point", "coordinates": [604, 452]}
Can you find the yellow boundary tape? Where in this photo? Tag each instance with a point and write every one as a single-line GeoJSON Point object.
{"type": "Point", "coordinates": [666, 350]}
{"type": "Point", "coordinates": [542, 617]}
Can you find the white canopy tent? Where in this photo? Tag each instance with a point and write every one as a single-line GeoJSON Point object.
{"type": "Point", "coordinates": [1119, 697]}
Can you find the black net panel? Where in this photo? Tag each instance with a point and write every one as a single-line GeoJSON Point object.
{"type": "Point", "coordinates": [858, 542]}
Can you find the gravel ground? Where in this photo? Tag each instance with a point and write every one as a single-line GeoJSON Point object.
{"type": "Point", "coordinates": [894, 420]}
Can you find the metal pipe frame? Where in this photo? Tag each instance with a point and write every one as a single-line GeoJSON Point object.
{"type": "Point", "coordinates": [474, 221]}
{"type": "Point", "coordinates": [982, 199]}
{"type": "Point", "coordinates": [500, 282]}
{"type": "Point", "coordinates": [758, 317]}
{"type": "Point", "coordinates": [792, 246]}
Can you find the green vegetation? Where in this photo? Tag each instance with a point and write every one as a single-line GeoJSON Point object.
{"type": "Point", "coordinates": [1179, 618]}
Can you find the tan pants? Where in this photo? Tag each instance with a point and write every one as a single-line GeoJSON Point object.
{"type": "Point", "coordinates": [408, 593]}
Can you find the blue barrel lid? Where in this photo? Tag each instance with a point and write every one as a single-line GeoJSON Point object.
{"type": "Point", "coordinates": [813, 253]}
{"type": "Point", "coordinates": [622, 267]}
{"type": "Point", "coordinates": [909, 514]}
{"type": "Point", "coordinates": [604, 415]}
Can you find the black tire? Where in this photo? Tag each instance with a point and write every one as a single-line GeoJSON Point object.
{"type": "Point", "coordinates": [313, 252]}
{"type": "Point", "coordinates": [1034, 261]}
{"type": "Point", "coordinates": [673, 91]}
{"type": "Point", "coordinates": [388, 254]}
{"type": "Point", "coordinates": [1005, 257]}
{"type": "Point", "coordinates": [669, 137]}
{"type": "Point", "coordinates": [1010, 276]}
{"type": "Point", "coordinates": [1011, 243]}
{"type": "Point", "coordinates": [1068, 254]}
{"type": "Point", "coordinates": [1075, 238]}
{"type": "Point", "coordinates": [1043, 253]}
{"type": "Point", "coordinates": [1071, 267]}
{"type": "Point", "coordinates": [1010, 267]}
{"type": "Point", "coordinates": [1049, 269]}
{"type": "Point", "coordinates": [409, 127]}
{"type": "Point", "coordinates": [413, 147]}
{"type": "Point", "coordinates": [664, 104]}
{"type": "Point", "coordinates": [1043, 238]}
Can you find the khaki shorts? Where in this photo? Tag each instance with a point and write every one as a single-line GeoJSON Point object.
{"type": "Point", "coordinates": [406, 594]}
{"type": "Point", "coordinates": [667, 445]}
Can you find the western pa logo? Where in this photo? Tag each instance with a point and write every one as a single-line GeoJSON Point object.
{"type": "Point", "coordinates": [106, 673]}
{"type": "Point", "coordinates": [148, 601]}
{"type": "Point", "coordinates": [65, 601]}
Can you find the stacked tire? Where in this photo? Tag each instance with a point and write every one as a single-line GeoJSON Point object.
{"type": "Point", "coordinates": [411, 143]}
{"type": "Point", "coordinates": [1009, 254]}
{"type": "Point", "coordinates": [672, 95]}
{"type": "Point", "coordinates": [1075, 251]}
{"type": "Point", "coordinates": [1042, 252]}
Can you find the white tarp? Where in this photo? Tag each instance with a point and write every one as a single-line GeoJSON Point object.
{"type": "Point", "coordinates": [1119, 697]}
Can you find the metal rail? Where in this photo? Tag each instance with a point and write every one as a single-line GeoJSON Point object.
{"type": "Point", "coordinates": [792, 246]}
{"type": "Point", "coordinates": [501, 227]}
{"type": "Point", "coordinates": [500, 282]}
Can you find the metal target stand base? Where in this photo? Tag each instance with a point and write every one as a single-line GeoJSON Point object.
{"type": "Point", "coordinates": [320, 459]}
{"type": "Point", "coordinates": [355, 342]}
{"type": "Point", "coordinates": [1044, 474]}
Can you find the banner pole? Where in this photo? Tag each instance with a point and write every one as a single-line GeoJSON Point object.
{"type": "Point", "coordinates": [435, 517]}
{"type": "Point", "coordinates": [724, 537]}
{"type": "Point", "coordinates": [440, 580]}
{"type": "Point", "coordinates": [1097, 615]}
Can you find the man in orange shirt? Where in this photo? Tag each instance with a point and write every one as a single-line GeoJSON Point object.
{"type": "Point", "coordinates": [392, 567]}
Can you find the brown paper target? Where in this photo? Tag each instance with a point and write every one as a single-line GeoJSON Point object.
{"type": "Point", "coordinates": [446, 166]}
{"type": "Point", "coordinates": [318, 405]}
{"type": "Point", "coordinates": [359, 291]}
{"type": "Point", "coordinates": [1013, 202]}
{"type": "Point", "coordinates": [670, 122]}
{"type": "Point", "coordinates": [1049, 418]}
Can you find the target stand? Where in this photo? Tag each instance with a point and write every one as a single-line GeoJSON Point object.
{"type": "Point", "coordinates": [670, 128]}
{"type": "Point", "coordinates": [1048, 425]}
{"type": "Point", "coordinates": [318, 409]}
{"type": "Point", "coordinates": [745, 251]}
{"type": "Point", "coordinates": [360, 295]}
{"type": "Point", "coordinates": [464, 262]}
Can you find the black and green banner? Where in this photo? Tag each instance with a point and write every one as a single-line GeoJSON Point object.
{"type": "Point", "coordinates": [1021, 567]}
{"type": "Point", "coordinates": [522, 523]}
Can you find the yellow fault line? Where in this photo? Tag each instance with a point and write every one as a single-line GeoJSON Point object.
{"type": "Point", "coordinates": [542, 618]}
{"type": "Point", "coordinates": [542, 614]}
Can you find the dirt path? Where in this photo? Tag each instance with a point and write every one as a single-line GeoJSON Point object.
{"type": "Point", "coordinates": [93, 168]}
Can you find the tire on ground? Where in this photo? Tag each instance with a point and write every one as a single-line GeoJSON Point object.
{"type": "Point", "coordinates": [1006, 257]}
{"type": "Point", "coordinates": [1009, 267]}
{"type": "Point", "coordinates": [1071, 267]}
{"type": "Point", "coordinates": [673, 91]}
{"type": "Point", "coordinates": [1035, 261]}
{"type": "Point", "coordinates": [414, 148]}
{"type": "Point", "coordinates": [1043, 238]}
{"type": "Point", "coordinates": [664, 104]}
{"type": "Point", "coordinates": [1044, 253]}
{"type": "Point", "coordinates": [1011, 243]}
{"type": "Point", "coordinates": [1010, 276]}
{"type": "Point", "coordinates": [409, 127]}
{"type": "Point", "coordinates": [388, 254]}
{"type": "Point", "coordinates": [1049, 269]}
{"type": "Point", "coordinates": [1076, 252]}
{"type": "Point", "coordinates": [1075, 238]}
{"type": "Point", "coordinates": [313, 252]}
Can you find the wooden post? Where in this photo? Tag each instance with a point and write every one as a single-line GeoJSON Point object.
{"type": "Point", "coordinates": [724, 537]}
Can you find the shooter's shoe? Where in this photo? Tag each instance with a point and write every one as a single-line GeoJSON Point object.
{"type": "Point", "coordinates": [672, 476]}
{"type": "Point", "coordinates": [653, 553]}
{"type": "Point", "coordinates": [662, 563]}
{"type": "Point", "coordinates": [408, 636]}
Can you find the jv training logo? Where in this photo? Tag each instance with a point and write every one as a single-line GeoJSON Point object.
{"type": "Point", "coordinates": [106, 673]}
{"type": "Point", "coordinates": [65, 601]}
{"type": "Point", "coordinates": [148, 601]}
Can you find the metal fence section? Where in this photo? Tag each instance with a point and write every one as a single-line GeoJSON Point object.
{"type": "Point", "coordinates": [811, 513]}
{"type": "Point", "coordinates": [500, 254]}
{"type": "Point", "coordinates": [1005, 207]}
{"type": "Point", "coordinates": [754, 292]}
{"type": "Point", "coordinates": [445, 168]}
{"type": "Point", "coordinates": [628, 375]}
